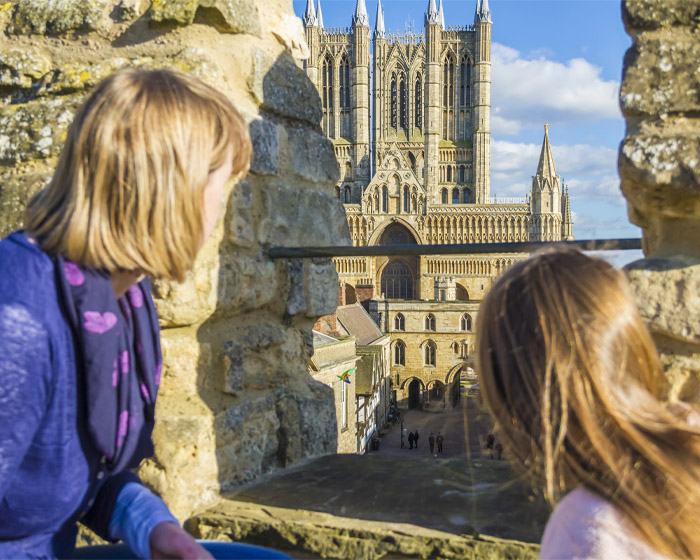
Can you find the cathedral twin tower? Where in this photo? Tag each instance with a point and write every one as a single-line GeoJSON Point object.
{"type": "Point", "coordinates": [410, 123]}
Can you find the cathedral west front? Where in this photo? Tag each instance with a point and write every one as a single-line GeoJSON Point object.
{"type": "Point", "coordinates": [409, 117]}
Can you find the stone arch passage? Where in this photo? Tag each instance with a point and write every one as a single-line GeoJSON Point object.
{"type": "Point", "coordinates": [414, 394]}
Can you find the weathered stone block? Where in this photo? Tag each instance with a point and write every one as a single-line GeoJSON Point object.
{"type": "Point", "coordinates": [668, 295]}
{"type": "Point", "coordinates": [58, 17]}
{"type": "Point", "coordinates": [239, 221]}
{"type": "Point", "coordinates": [246, 282]}
{"type": "Point", "coordinates": [228, 16]}
{"type": "Point", "coordinates": [284, 88]}
{"type": "Point", "coordinates": [184, 360]}
{"type": "Point", "coordinates": [17, 186]}
{"type": "Point", "coordinates": [291, 218]}
{"type": "Point", "coordinates": [36, 129]}
{"type": "Point", "coordinates": [265, 137]}
{"type": "Point", "coordinates": [20, 67]}
{"type": "Point", "coordinates": [312, 156]}
{"type": "Point", "coordinates": [652, 14]}
{"type": "Point", "coordinates": [662, 75]}
{"type": "Point", "coordinates": [321, 282]}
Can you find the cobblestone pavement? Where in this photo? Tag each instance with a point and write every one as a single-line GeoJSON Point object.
{"type": "Point", "coordinates": [451, 493]}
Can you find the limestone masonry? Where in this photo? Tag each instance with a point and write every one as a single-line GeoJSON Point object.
{"type": "Point", "coordinates": [237, 400]}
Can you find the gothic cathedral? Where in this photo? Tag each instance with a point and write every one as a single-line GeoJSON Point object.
{"type": "Point", "coordinates": [410, 122]}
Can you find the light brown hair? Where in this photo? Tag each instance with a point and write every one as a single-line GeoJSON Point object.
{"type": "Point", "coordinates": [576, 388]}
{"type": "Point", "coordinates": [127, 192]}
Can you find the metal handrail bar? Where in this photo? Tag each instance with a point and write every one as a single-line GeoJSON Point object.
{"type": "Point", "coordinates": [449, 249]}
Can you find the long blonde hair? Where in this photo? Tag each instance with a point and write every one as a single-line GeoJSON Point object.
{"type": "Point", "coordinates": [127, 192]}
{"type": "Point", "coordinates": [575, 385]}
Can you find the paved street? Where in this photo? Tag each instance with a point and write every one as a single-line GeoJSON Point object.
{"type": "Point", "coordinates": [450, 493]}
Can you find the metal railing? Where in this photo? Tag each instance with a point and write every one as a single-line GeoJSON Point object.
{"type": "Point", "coordinates": [450, 249]}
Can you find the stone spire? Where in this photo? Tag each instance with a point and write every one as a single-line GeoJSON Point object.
{"type": "Point", "coordinates": [483, 13]}
{"type": "Point", "coordinates": [567, 222]}
{"type": "Point", "coordinates": [432, 16]}
{"type": "Point", "coordinates": [319, 14]}
{"type": "Point", "coordinates": [441, 15]}
{"type": "Point", "coordinates": [310, 14]}
{"type": "Point", "coordinates": [546, 167]}
{"type": "Point", "coordinates": [379, 32]}
{"type": "Point", "coordinates": [360, 16]}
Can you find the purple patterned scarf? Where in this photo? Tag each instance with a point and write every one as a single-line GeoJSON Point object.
{"type": "Point", "coordinates": [118, 345]}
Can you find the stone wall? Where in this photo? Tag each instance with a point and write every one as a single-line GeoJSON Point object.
{"type": "Point", "coordinates": [660, 169]}
{"type": "Point", "coordinates": [237, 400]}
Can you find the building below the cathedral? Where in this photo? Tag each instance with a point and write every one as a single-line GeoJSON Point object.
{"type": "Point", "coordinates": [409, 117]}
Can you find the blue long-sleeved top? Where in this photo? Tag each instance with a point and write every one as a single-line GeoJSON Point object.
{"type": "Point", "coordinates": [50, 474]}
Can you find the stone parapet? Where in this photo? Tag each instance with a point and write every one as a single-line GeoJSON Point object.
{"type": "Point", "coordinates": [659, 166]}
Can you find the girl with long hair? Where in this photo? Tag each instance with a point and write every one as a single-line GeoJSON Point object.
{"type": "Point", "coordinates": [574, 383]}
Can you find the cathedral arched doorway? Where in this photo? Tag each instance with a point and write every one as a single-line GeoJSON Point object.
{"type": "Point", "coordinates": [414, 394]}
{"type": "Point", "coordinates": [397, 276]}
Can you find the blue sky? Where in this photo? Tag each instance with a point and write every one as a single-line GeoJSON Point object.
{"type": "Point", "coordinates": [553, 60]}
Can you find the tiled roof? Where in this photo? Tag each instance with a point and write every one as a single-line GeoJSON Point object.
{"type": "Point", "coordinates": [358, 323]}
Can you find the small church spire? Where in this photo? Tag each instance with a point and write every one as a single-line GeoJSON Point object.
{"type": "Point", "coordinates": [441, 15]}
{"type": "Point", "coordinates": [546, 167]}
{"type": "Point", "coordinates": [379, 32]}
{"type": "Point", "coordinates": [360, 16]}
{"type": "Point", "coordinates": [431, 16]}
{"type": "Point", "coordinates": [319, 15]}
{"type": "Point", "coordinates": [310, 14]}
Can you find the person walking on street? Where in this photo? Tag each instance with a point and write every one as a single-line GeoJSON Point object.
{"type": "Point", "coordinates": [411, 439]}
{"type": "Point", "coordinates": [439, 439]}
{"type": "Point", "coordinates": [431, 442]}
{"type": "Point", "coordinates": [415, 438]}
{"type": "Point", "coordinates": [403, 435]}
{"type": "Point", "coordinates": [499, 450]}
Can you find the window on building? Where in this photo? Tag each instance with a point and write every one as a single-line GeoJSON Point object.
{"type": "Point", "coordinates": [462, 170]}
{"type": "Point", "coordinates": [403, 102]}
{"type": "Point", "coordinates": [399, 322]}
{"type": "Point", "coordinates": [385, 200]}
{"type": "Point", "coordinates": [327, 96]}
{"type": "Point", "coordinates": [466, 323]}
{"type": "Point", "coordinates": [399, 353]}
{"type": "Point", "coordinates": [455, 347]}
{"type": "Point", "coordinates": [449, 173]}
{"type": "Point", "coordinates": [347, 195]}
{"type": "Point", "coordinates": [430, 322]}
{"type": "Point", "coordinates": [405, 199]}
{"type": "Point", "coordinates": [418, 101]}
{"type": "Point", "coordinates": [429, 351]}
{"type": "Point", "coordinates": [397, 281]}
{"type": "Point", "coordinates": [394, 101]}
{"type": "Point", "coordinates": [467, 196]}
{"type": "Point", "coordinates": [444, 196]}
{"type": "Point", "coordinates": [455, 196]}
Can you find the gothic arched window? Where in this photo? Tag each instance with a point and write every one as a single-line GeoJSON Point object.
{"type": "Point", "coordinates": [327, 96]}
{"type": "Point", "coordinates": [405, 200]}
{"type": "Point", "coordinates": [467, 198]}
{"type": "Point", "coordinates": [399, 353]}
{"type": "Point", "coordinates": [430, 353]}
{"type": "Point", "coordinates": [399, 322]}
{"type": "Point", "coordinates": [466, 322]}
{"type": "Point", "coordinates": [461, 173]}
{"type": "Point", "coordinates": [385, 200]}
{"type": "Point", "coordinates": [393, 100]}
{"type": "Point", "coordinates": [430, 322]}
{"type": "Point", "coordinates": [466, 79]}
{"type": "Point", "coordinates": [344, 75]}
{"type": "Point", "coordinates": [347, 195]}
{"type": "Point", "coordinates": [444, 196]}
{"type": "Point", "coordinates": [397, 281]}
{"type": "Point", "coordinates": [403, 102]}
{"type": "Point", "coordinates": [418, 102]}
{"type": "Point", "coordinates": [449, 173]}
{"type": "Point", "coordinates": [448, 84]}
{"type": "Point", "coordinates": [455, 196]}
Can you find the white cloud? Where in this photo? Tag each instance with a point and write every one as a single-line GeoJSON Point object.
{"type": "Point", "coordinates": [526, 91]}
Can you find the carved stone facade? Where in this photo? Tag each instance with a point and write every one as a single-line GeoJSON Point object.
{"type": "Point", "coordinates": [423, 176]}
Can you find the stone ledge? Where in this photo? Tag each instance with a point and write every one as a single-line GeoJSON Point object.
{"type": "Point", "coordinates": [308, 534]}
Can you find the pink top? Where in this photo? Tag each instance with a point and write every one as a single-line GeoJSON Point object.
{"type": "Point", "coordinates": [584, 525]}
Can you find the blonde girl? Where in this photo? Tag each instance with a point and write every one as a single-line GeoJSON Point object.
{"type": "Point", "coordinates": [135, 194]}
{"type": "Point", "coordinates": [571, 376]}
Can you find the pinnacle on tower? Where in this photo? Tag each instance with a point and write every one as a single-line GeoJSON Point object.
{"type": "Point", "coordinates": [319, 14]}
{"type": "Point", "coordinates": [441, 15]}
{"type": "Point", "coordinates": [360, 16]}
{"type": "Point", "coordinates": [431, 16]}
{"type": "Point", "coordinates": [379, 32]}
{"type": "Point", "coordinates": [483, 13]}
{"type": "Point", "coordinates": [310, 14]}
{"type": "Point", "coordinates": [546, 167]}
